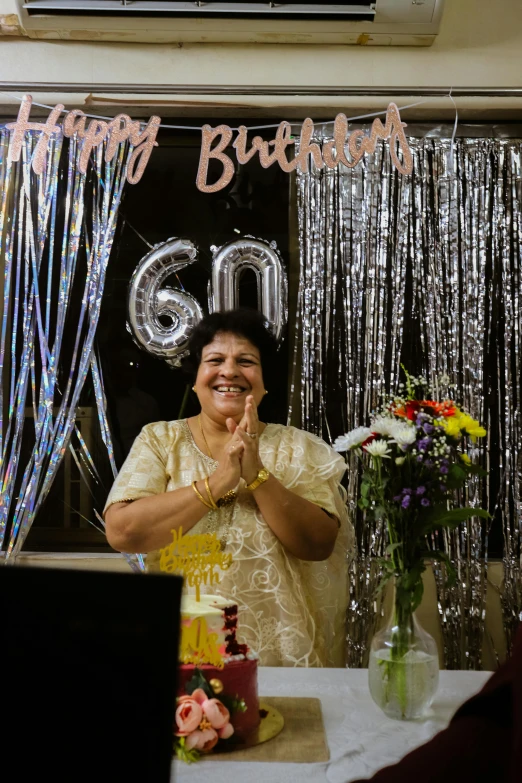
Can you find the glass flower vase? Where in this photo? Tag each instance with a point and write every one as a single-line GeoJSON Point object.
{"type": "Point", "coordinates": [403, 669]}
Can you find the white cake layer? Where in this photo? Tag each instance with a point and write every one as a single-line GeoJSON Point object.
{"type": "Point", "coordinates": [211, 608]}
{"type": "Point", "coordinates": [208, 606]}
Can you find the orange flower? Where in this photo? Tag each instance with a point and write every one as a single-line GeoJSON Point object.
{"type": "Point", "coordinates": [435, 409]}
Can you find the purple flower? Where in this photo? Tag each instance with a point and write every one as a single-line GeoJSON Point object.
{"type": "Point", "coordinates": [424, 444]}
{"type": "Point", "coordinates": [420, 458]}
{"type": "Point", "coordinates": [425, 502]}
{"type": "Point", "coordinates": [429, 463]}
{"type": "Point", "coordinates": [428, 428]}
{"type": "Point", "coordinates": [442, 487]}
{"type": "Point", "coordinates": [405, 501]}
{"type": "Point", "coordinates": [420, 490]}
{"type": "Point", "coordinates": [443, 468]}
{"type": "Point", "coordinates": [407, 491]}
{"type": "Point", "coordinates": [398, 498]}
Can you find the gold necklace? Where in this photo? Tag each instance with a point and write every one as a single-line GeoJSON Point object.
{"type": "Point", "coordinates": [203, 436]}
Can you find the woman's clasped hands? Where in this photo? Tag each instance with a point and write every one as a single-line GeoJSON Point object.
{"type": "Point", "coordinates": [241, 458]}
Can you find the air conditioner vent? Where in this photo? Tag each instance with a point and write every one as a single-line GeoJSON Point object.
{"type": "Point", "coordinates": [363, 11]}
{"type": "Point", "coordinates": [363, 23]}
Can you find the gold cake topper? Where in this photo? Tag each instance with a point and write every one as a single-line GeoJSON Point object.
{"type": "Point", "coordinates": [198, 646]}
{"type": "Point", "coordinates": [196, 558]}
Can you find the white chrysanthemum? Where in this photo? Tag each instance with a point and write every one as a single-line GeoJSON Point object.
{"type": "Point", "coordinates": [403, 434]}
{"type": "Point", "coordinates": [378, 448]}
{"type": "Point", "coordinates": [351, 439]}
{"type": "Point", "coordinates": [383, 425]}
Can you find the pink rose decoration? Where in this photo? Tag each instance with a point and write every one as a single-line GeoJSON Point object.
{"type": "Point", "coordinates": [226, 731]}
{"type": "Point", "coordinates": [188, 716]}
{"type": "Point", "coordinates": [202, 740]}
{"type": "Point", "coordinates": [199, 695]}
{"type": "Point", "coordinates": [216, 712]}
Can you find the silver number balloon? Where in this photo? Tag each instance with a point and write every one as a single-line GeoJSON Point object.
{"type": "Point", "coordinates": [147, 302]}
{"type": "Point", "coordinates": [230, 260]}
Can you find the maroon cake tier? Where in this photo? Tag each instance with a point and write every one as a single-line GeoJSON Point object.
{"type": "Point", "coordinates": [239, 680]}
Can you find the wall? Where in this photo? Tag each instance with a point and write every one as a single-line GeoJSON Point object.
{"type": "Point", "coordinates": [479, 45]}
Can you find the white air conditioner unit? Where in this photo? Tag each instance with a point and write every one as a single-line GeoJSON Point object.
{"type": "Point", "coordinates": [379, 23]}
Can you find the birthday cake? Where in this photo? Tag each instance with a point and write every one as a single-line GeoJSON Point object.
{"type": "Point", "coordinates": [217, 699]}
{"type": "Point", "coordinates": [210, 652]}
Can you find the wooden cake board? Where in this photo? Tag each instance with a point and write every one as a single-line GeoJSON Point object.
{"type": "Point", "coordinates": [302, 739]}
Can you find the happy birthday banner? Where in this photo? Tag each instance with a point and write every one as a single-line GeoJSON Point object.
{"type": "Point", "coordinates": [346, 148]}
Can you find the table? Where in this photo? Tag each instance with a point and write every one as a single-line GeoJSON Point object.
{"type": "Point", "coordinates": [361, 738]}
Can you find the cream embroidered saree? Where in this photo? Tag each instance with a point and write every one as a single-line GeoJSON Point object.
{"type": "Point", "coordinates": [291, 612]}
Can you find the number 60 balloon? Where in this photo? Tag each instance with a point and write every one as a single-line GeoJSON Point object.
{"type": "Point", "coordinates": [147, 301]}
{"type": "Point", "coordinates": [263, 258]}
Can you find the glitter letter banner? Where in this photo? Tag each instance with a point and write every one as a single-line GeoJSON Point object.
{"type": "Point", "coordinates": [56, 231]}
{"type": "Point", "coordinates": [424, 270]}
{"type": "Point", "coordinates": [357, 144]}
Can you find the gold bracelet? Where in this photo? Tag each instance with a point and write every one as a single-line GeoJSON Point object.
{"type": "Point", "coordinates": [227, 498]}
{"type": "Point", "coordinates": [200, 496]}
{"type": "Point", "coordinates": [261, 477]}
{"type": "Point", "coordinates": [209, 493]}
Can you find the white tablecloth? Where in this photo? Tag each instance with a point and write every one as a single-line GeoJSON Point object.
{"type": "Point", "coordinates": [361, 738]}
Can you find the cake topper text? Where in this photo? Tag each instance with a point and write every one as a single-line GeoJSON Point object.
{"type": "Point", "coordinates": [198, 645]}
{"type": "Point", "coordinates": [196, 558]}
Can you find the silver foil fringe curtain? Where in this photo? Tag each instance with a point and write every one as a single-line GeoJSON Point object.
{"type": "Point", "coordinates": [425, 270]}
{"type": "Point", "coordinates": [56, 235]}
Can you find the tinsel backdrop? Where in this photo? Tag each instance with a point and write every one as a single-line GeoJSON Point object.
{"type": "Point", "coordinates": [56, 235]}
{"type": "Point", "coordinates": [423, 270]}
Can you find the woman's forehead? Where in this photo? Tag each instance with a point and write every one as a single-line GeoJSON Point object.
{"type": "Point", "coordinates": [229, 342]}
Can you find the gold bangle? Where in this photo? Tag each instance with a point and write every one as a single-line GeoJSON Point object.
{"type": "Point", "coordinates": [209, 493]}
{"type": "Point", "coordinates": [200, 496]}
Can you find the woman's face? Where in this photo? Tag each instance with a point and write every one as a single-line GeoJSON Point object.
{"type": "Point", "coordinates": [230, 370]}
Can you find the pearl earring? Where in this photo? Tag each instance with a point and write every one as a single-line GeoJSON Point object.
{"type": "Point", "coordinates": [193, 388]}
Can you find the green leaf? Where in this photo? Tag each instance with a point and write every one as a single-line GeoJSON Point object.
{"type": "Point", "coordinates": [188, 756]}
{"type": "Point", "coordinates": [365, 487]}
{"type": "Point", "coordinates": [392, 547]}
{"type": "Point", "coordinates": [450, 518]}
{"type": "Point", "coordinates": [442, 557]}
{"type": "Point", "coordinates": [384, 581]}
{"type": "Point", "coordinates": [457, 472]}
{"type": "Point", "coordinates": [476, 470]}
{"type": "Point", "coordinates": [198, 681]}
{"type": "Point", "coordinates": [417, 594]}
{"type": "Point", "coordinates": [385, 563]}
{"type": "Point", "coordinates": [454, 516]}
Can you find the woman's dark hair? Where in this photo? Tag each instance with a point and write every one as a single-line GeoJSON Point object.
{"type": "Point", "coordinates": [245, 322]}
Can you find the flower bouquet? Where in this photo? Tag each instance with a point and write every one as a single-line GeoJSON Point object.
{"type": "Point", "coordinates": [202, 721]}
{"type": "Point", "coordinates": [414, 456]}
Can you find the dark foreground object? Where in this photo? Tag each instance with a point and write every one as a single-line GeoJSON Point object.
{"type": "Point", "coordinates": [88, 675]}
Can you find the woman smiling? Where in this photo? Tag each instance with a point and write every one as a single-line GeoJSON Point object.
{"type": "Point", "coordinates": [270, 493]}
